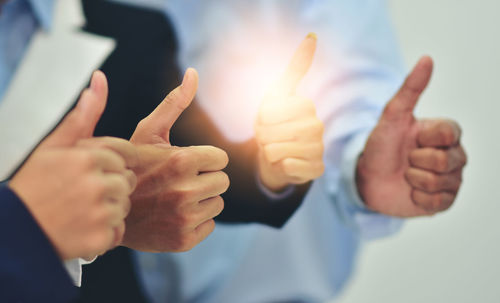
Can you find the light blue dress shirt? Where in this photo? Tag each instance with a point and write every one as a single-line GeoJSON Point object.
{"type": "Point", "coordinates": [357, 68]}
{"type": "Point", "coordinates": [238, 47]}
{"type": "Point", "coordinates": [19, 20]}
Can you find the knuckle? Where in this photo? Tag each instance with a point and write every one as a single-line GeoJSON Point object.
{"type": "Point", "coordinates": [224, 182]}
{"type": "Point", "coordinates": [131, 178]}
{"type": "Point", "coordinates": [431, 182]}
{"type": "Point", "coordinates": [446, 134]}
{"type": "Point", "coordinates": [102, 216]}
{"type": "Point", "coordinates": [437, 201]}
{"type": "Point", "coordinates": [317, 126]}
{"type": "Point", "coordinates": [462, 156]}
{"type": "Point", "coordinates": [441, 203]}
{"type": "Point", "coordinates": [126, 206]}
{"type": "Point", "coordinates": [181, 160]}
{"type": "Point", "coordinates": [96, 188]}
{"type": "Point", "coordinates": [415, 197]}
{"type": "Point", "coordinates": [180, 196]}
{"type": "Point", "coordinates": [86, 159]}
{"type": "Point", "coordinates": [219, 201]}
{"type": "Point", "coordinates": [184, 242]}
{"type": "Point", "coordinates": [211, 225]}
{"type": "Point", "coordinates": [442, 161]}
{"type": "Point", "coordinates": [102, 240]}
{"type": "Point", "coordinates": [103, 142]}
{"type": "Point", "coordinates": [124, 184]}
{"type": "Point", "coordinates": [185, 219]}
{"type": "Point", "coordinates": [269, 152]}
{"type": "Point", "coordinates": [288, 167]}
{"type": "Point", "coordinates": [224, 157]}
{"type": "Point", "coordinates": [97, 241]}
{"type": "Point", "coordinates": [208, 228]}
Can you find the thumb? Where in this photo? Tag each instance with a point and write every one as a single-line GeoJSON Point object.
{"type": "Point", "coordinates": [81, 121]}
{"type": "Point", "coordinates": [298, 67]}
{"type": "Point", "coordinates": [161, 120]}
{"type": "Point", "coordinates": [407, 97]}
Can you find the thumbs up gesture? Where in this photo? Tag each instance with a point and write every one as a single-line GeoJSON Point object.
{"type": "Point", "coordinates": [288, 132]}
{"type": "Point", "coordinates": [411, 167]}
{"type": "Point", "coordinates": [179, 188]}
{"type": "Point", "coordinates": [78, 195]}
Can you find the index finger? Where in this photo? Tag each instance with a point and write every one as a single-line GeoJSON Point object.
{"type": "Point", "coordinates": [439, 133]}
{"type": "Point", "coordinates": [298, 66]}
{"type": "Point", "coordinates": [105, 160]}
{"type": "Point", "coordinates": [208, 158]}
{"type": "Point", "coordinates": [121, 146]}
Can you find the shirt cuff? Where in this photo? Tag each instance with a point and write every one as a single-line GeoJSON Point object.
{"type": "Point", "coordinates": [349, 165]}
{"type": "Point", "coordinates": [74, 269]}
{"type": "Point", "coordinates": [286, 192]}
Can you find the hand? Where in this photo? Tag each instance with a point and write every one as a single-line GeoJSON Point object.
{"type": "Point", "coordinates": [410, 167]}
{"type": "Point", "coordinates": [78, 195]}
{"type": "Point", "coordinates": [289, 134]}
{"type": "Point", "coordinates": [128, 153]}
{"type": "Point", "coordinates": [179, 188]}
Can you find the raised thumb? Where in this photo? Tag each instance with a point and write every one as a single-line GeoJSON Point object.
{"type": "Point", "coordinates": [297, 68]}
{"type": "Point", "coordinates": [81, 121]}
{"type": "Point", "coordinates": [161, 120]}
{"type": "Point", "coordinates": [407, 97]}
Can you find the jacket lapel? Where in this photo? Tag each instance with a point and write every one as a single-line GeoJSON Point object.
{"type": "Point", "coordinates": [56, 67]}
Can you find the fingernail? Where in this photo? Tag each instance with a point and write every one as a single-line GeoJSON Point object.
{"type": "Point", "coordinates": [312, 35]}
{"type": "Point", "coordinates": [186, 75]}
{"type": "Point", "coordinates": [93, 82]}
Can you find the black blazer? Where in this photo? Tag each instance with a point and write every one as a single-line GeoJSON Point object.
{"type": "Point", "coordinates": [141, 71]}
{"type": "Point", "coordinates": [30, 269]}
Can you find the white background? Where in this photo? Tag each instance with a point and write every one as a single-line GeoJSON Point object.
{"type": "Point", "coordinates": [455, 256]}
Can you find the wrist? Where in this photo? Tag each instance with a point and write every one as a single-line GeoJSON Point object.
{"type": "Point", "coordinates": [360, 179]}
{"type": "Point", "coordinates": [364, 186]}
{"type": "Point", "coordinates": [267, 177]}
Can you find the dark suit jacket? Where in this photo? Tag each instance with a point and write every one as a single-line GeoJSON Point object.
{"type": "Point", "coordinates": [141, 71]}
{"type": "Point", "coordinates": [30, 270]}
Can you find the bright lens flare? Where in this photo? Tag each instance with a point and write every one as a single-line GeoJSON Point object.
{"type": "Point", "coordinates": [245, 69]}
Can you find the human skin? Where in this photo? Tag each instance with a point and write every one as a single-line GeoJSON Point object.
{"type": "Point", "coordinates": [288, 131]}
{"type": "Point", "coordinates": [411, 167]}
{"type": "Point", "coordinates": [408, 167]}
{"type": "Point", "coordinates": [78, 195]}
{"type": "Point", "coordinates": [178, 188]}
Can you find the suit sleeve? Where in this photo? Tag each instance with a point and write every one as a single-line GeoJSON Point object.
{"type": "Point", "coordinates": [30, 270]}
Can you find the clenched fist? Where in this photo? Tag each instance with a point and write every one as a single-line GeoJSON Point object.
{"type": "Point", "coordinates": [78, 195]}
{"type": "Point", "coordinates": [288, 131]}
{"type": "Point", "coordinates": [179, 188]}
{"type": "Point", "coordinates": [411, 167]}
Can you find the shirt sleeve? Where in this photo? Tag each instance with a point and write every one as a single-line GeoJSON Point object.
{"type": "Point", "coordinates": [30, 270]}
{"type": "Point", "coordinates": [357, 69]}
{"type": "Point", "coordinates": [74, 269]}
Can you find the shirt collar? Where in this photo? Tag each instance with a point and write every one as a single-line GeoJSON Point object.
{"type": "Point", "coordinates": [43, 11]}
